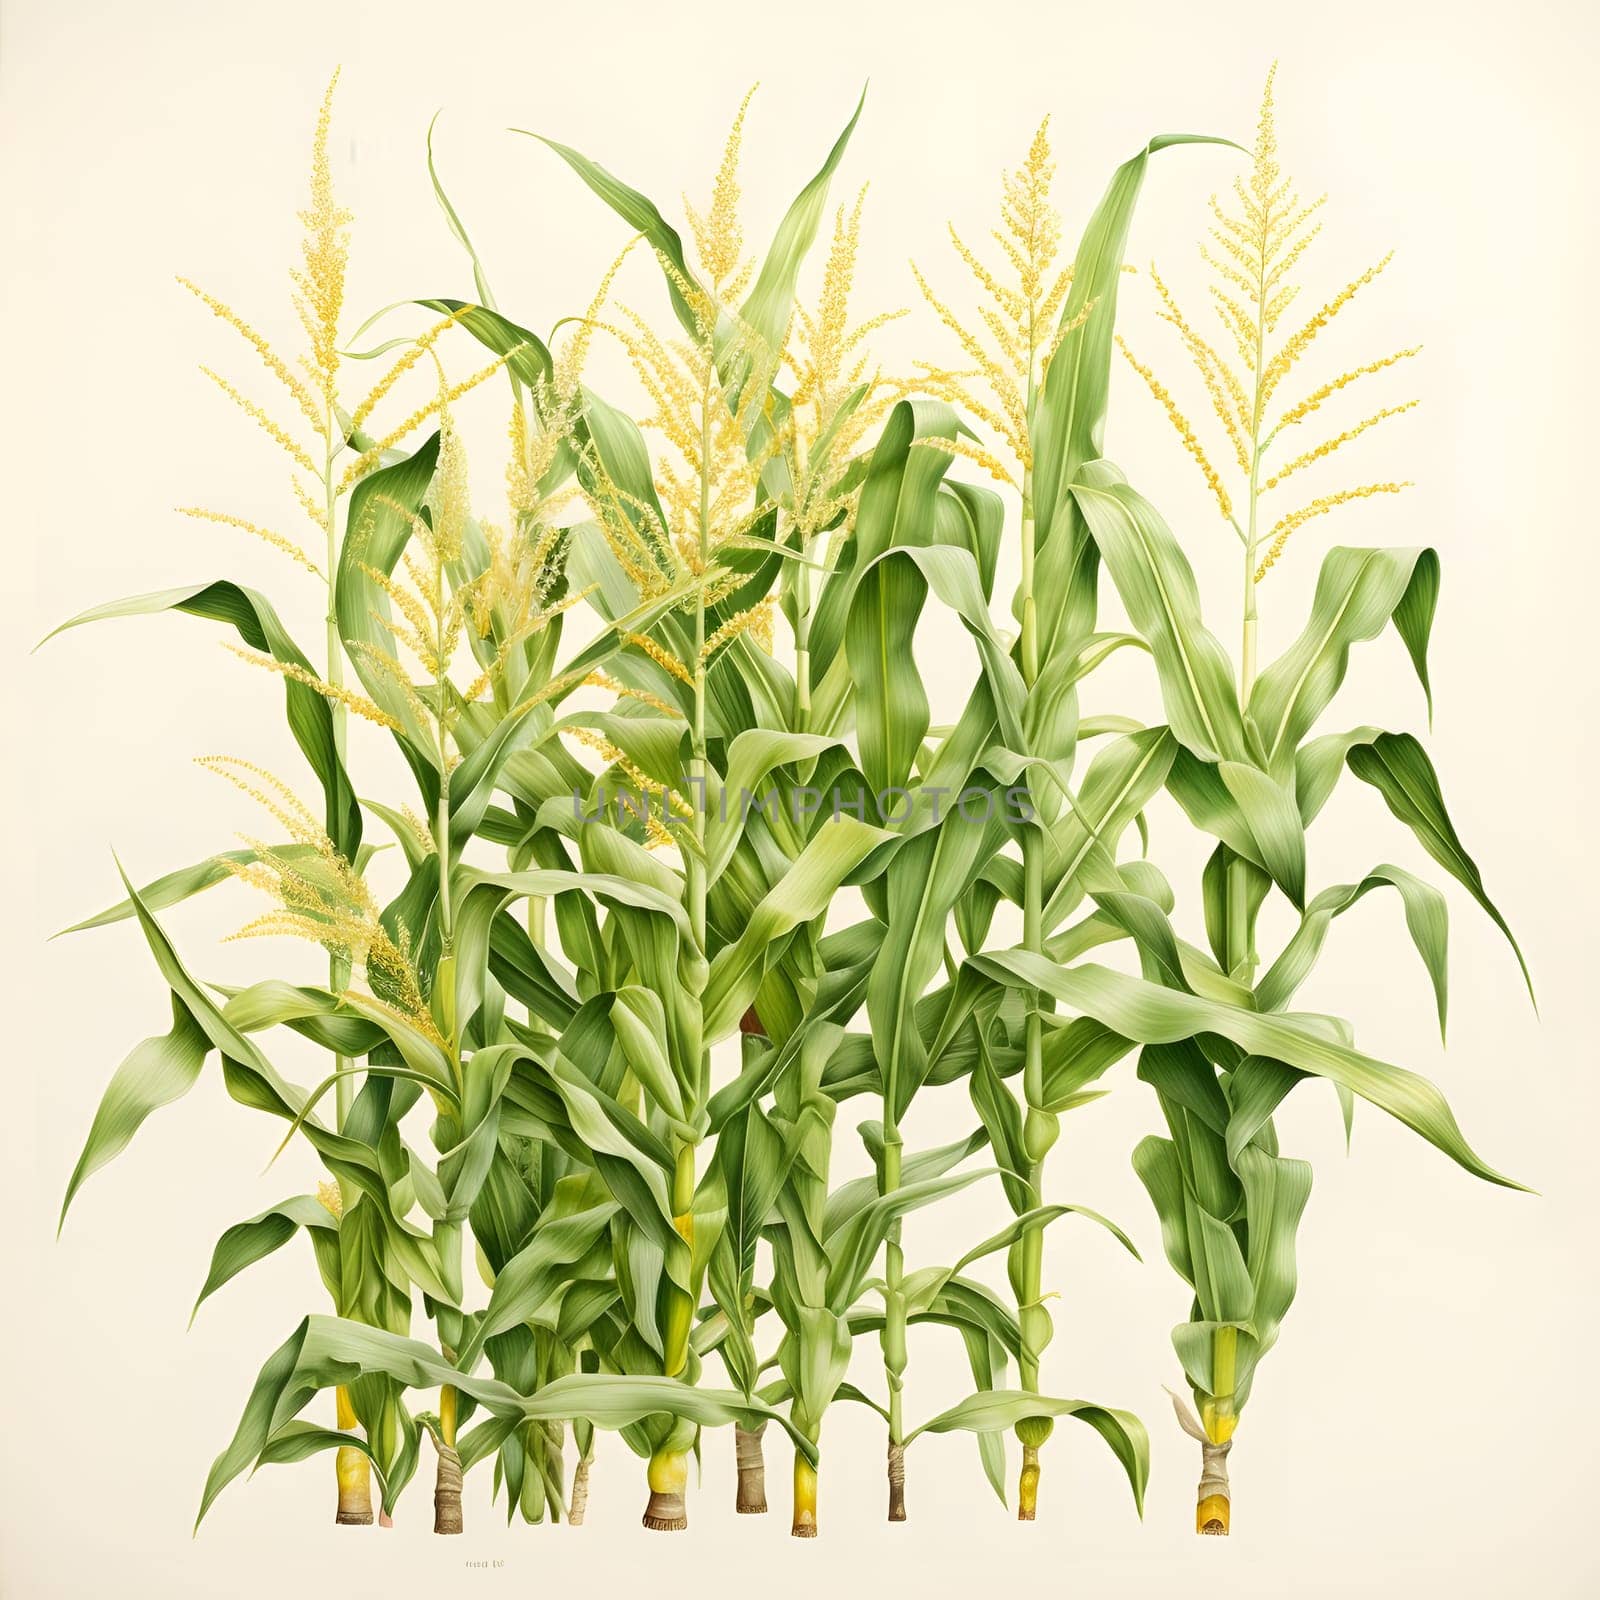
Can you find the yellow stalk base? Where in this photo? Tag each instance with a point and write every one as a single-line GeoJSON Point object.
{"type": "Point", "coordinates": [1028, 1485]}
{"type": "Point", "coordinates": [804, 1525]}
{"type": "Point", "coordinates": [352, 1470]}
{"type": "Point", "coordinates": [1211, 1516]}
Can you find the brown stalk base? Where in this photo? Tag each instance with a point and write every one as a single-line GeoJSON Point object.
{"type": "Point", "coordinates": [1028, 1484]}
{"type": "Point", "coordinates": [579, 1503]}
{"type": "Point", "coordinates": [750, 1499]}
{"type": "Point", "coordinates": [447, 1492]}
{"type": "Point", "coordinates": [353, 1519]}
{"type": "Point", "coordinates": [666, 1512]}
{"type": "Point", "coordinates": [804, 1530]}
{"type": "Point", "coordinates": [897, 1483]}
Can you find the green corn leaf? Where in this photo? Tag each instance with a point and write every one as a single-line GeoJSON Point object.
{"type": "Point", "coordinates": [173, 887]}
{"type": "Point", "coordinates": [325, 1351]}
{"type": "Point", "coordinates": [854, 1246]}
{"type": "Point", "coordinates": [891, 703]}
{"type": "Point", "coordinates": [989, 1412]}
{"type": "Point", "coordinates": [528, 358]}
{"type": "Point", "coordinates": [252, 616]}
{"type": "Point", "coordinates": [1158, 588]}
{"type": "Point", "coordinates": [1318, 764]}
{"type": "Point", "coordinates": [768, 307]}
{"type": "Point", "coordinates": [850, 1198]}
{"type": "Point", "coordinates": [1070, 417]}
{"type": "Point", "coordinates": [1039, 1217]}
{"type": "Point", "coordinates": [1276, 1191]}
{"type": "Point", "coordinates": [1120, 782]}
{"type": "Point", "coordinates": [1358, 593]}
{"type": "Point", "coordinates": [1152, 1014]}
{"type": "Point", "coordinates": [1397, 766]}
{"type": "Point", "coordinates": [299, 1441]}
{"type": "Point", "coordinates": [312, 1012]}
{"type": "Point", "coordinates": [833, 852]}
{"type": "Point", "coordinates": [379, 516]}
{"type": "Point", "coordinates": [248, 1242]}
{"type": "Point", "coordinates": [898, 507]}
{"type": "Point", "coordinates": [248, 1076]}
{"type": "Point", "coordinates": [1155, 1160]}
{"type": "Point", "coordinates": [540, 1270]}
{"type": "Point", "coordinates": [1269, 813]}
{"type": "Point", "coordinates": [1076, 1054]}
{"type": "Point", "coordinates": [753, 756]}
{"type": "Point", "coordinates": [1427, 919]}
{"type": "Point", "coordinates": [157, 1072]}
{"type": "Point", "coordinates": [641, 216]}
{"type": "Point", "coordinates": [924, 880]}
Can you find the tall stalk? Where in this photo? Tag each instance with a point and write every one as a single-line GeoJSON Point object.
{"type": "Point", "coordinates": [1251, 252]}
{"type": "Point", "coordinates": [1027, 322]}
{"type": "Point", "coordinates": [1040, 1127]}
{"type": "Point", "coordinates": [1219, 1414]}
{"type": "Point", "coordinates": [802, 591]}
{"type": "Point", "coordinates": [668, 1472]}
{"type": "Point", "coordinates": [447, 1482]}
{"type": "Point", "coordinates": [351, 1466]}
{"type": "Point", "coordinates": [894, 1320]}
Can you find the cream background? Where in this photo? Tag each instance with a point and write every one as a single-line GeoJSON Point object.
{"type": "Point", "coordinates": [1426, 1424]}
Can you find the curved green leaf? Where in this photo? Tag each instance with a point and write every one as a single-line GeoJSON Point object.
{"type": "Point", "coordinates": [252, 616]}
{"type": "Point", "coordinates": [1152, 1014]}
{"type": "Point", "coordinates": [248, 1242]}
{"type": "Point", "coordinates": [1397, 766]}
{"type": "Point", "coordinates": [995, 1409]}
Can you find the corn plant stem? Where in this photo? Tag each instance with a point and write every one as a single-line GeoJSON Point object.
{"type": "Point", "coordinates": [894, 1320]}
{"type": "Point", "coordinates": [444, 983]}
{"type": "Point", "coordinates": [680, 1312]}
{"type": "Point", "coordinates": [1219, 1414]}
{"type": "Point", "coordinates": [578, 1501]}
{"type": "Point", "coordinates": [802, 643]}
{"type": "Point", "coordinates": [338, 965]}
{"type": "Point", "coordinates": [447, 1485]}
{"type": "Point", "coordinates": [750, 1498]}
{"type": "Point", "coordinates": [667, 1473]}
{"type": "Point", "coordinates": [1040, 1126]}
{"type": "Point", "coordinates": [803, 1524]}
{"type": "Point", "coordinates": [799, 492]}
{"type": "Point", "coordinates": [351, 1469]}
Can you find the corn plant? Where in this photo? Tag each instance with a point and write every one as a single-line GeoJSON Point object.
{"type": "Point", "coordinates": [1038, 386]}
{"type": "Point", "coordinates": [316, 872]}
{"type": "Point", "coordinates": [705, 540]}
{"type": "Point", "coordinates": [1248, 771]}
{"type": "Point", "coordinates": [678, 813]}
